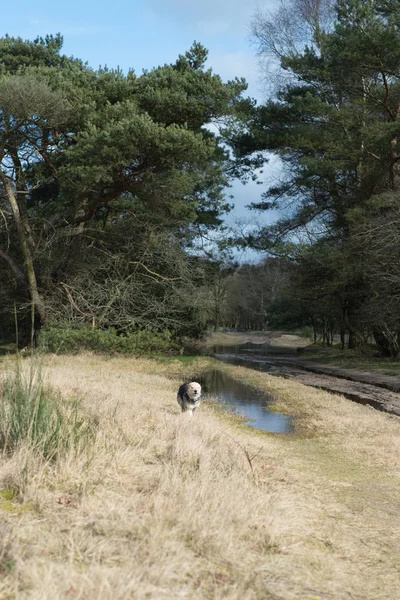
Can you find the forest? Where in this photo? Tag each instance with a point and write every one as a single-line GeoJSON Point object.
{"type": "Point", "coordinates": [114, 186]}
{"type": "Point", "coordinates": [109, 183]}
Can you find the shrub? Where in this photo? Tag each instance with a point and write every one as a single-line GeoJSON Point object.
{"type": "Point", "coordinates": [33, 413]}
{"type": "Point", "coordinates": [72, 341]}
{"type": "Point", "coordinates": [306, 332]}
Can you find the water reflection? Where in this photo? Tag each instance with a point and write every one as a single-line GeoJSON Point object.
{"type": "Point", "coordinates": [247, 401]}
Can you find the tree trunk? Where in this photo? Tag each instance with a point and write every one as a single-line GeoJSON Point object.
{"type": "Point", "coordinates": [353, 340]}
{"type": "Point", "coordinates": [315, 332]}
{"type": "Point", "coordinates": [352, 343]}
{"type": "Point", "coordinates": [388, 342]}
{"type": "Point", "coordinates": [36, 299]}
{"type": "Point", "coordinates": [394, 167]}
{"type": "Point", "coordinates": [342, 337]}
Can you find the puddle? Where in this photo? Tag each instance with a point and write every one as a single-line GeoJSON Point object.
{"type": "Point", "coordinates": [254, 348]}
{"type": "Point", "coordinates": [247, 402]}
{"type": "Point", "coordinates": [282, 361]}
{"type": "Point", "coordinates": [257, 363]}
{"type": "Point", "coordinates": [366, 394]}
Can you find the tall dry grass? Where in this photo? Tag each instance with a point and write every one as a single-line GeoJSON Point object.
{"type": "Point", "coordinates": [168, 507]}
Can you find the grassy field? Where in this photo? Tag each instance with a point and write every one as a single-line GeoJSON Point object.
{"type": "Point", "coordinates": [161, 506]}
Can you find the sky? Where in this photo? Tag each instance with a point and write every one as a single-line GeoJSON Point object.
{"type": "Point", "coordinates": [142, 34]}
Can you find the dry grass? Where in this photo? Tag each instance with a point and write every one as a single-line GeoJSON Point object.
{"type": "Point", "coordinates": [167, 507]}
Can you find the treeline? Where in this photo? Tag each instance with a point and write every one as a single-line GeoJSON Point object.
{"type": "Point", "coordinates": [334, 121]}
{"type": "Point", "coordinates": [111, 183]}
{"type": "Point", "coordinates": [108, 184]}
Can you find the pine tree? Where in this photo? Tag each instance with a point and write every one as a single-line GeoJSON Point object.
{"type": "Point", "coordinates": [336, 128]}
{"type": "Point", "coordinates": [84, 148]}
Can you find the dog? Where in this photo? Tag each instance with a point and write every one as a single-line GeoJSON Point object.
{"type": "Point", "coordinates": [189, 395]}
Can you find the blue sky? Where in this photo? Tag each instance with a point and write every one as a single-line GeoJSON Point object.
{"type": "Point", "coordinates": [141, 34]}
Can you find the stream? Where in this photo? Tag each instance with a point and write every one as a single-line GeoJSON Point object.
{"type": "Point", "coordinates": [246, 401]}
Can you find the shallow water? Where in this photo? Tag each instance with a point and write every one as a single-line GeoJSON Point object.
{"type": "Point", "coordinates": [246, 401]}
{"type": "Point", "coordinates": [253, 348]}
{"type": "Point", "coordinates": [262, 357]}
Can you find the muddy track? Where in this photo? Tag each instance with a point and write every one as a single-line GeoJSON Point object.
{"type": "Point", "coordinates": [375, 390]}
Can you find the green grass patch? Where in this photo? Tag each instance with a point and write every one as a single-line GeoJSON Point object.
{"type": "Point", "coordinates": [185, 360]}
{"type": "Point", "coordinates": [35, 414]}
{"type": "Point", "coordinates": [9, 503]}
{"type": "Point", "coordinates": [64, 340]}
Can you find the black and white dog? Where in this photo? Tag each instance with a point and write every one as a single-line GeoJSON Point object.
{"type": "Point", "coordinates": [189, 395]}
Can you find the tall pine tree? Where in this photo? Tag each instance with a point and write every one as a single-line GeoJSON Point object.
{"type": "Point", "coordinates": [336, 128]}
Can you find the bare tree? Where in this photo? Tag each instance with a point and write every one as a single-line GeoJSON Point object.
{"type": "Point", "coordinates": [282, 34]}
{"type": "Point", "coordinates": [375, 245]}
{"type": "Point", "coordinates": [294, 24]}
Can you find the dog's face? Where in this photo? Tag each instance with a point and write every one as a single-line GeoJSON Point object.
{"type": "Point", "coordinates": [193, 390]}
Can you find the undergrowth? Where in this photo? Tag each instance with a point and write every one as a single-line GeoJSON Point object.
{"type": "Point", "coordinates": [65, 340]}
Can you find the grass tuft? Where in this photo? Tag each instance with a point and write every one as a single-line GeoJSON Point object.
{"type": "Point", "coordinates": [34, 413]}
{"type": "Point", "coordinates": [7, 550]}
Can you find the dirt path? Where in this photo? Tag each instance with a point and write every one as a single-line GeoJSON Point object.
{"type": "Point", "coordinates": [364, 393]}
{"type": "Point", "coordinates": [272, 338]}
{"type": "Point", "coordinates": [383, 380]}
{"type": "Point", "coordinates": [340, 381]}
{"type": "Point", "coordinates": [378, 390]}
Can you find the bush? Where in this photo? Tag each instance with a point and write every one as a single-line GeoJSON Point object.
{"type": "Point", "coordinates": [33, 413]}
{"type": "Point", "coordinates": [306, 332]}
{"type": "Point", "coordinates": [72, 341]}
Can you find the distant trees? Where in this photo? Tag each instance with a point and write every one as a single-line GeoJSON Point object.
{"type": "Point", "coordinates": [243, 296]}
{"type": "Point", "coordinates": [335, 125]}
{"type": "Point", "coordinates": [106, 180]}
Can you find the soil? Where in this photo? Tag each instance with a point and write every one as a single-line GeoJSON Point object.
{"type": "Point", "coordinates": [364, 387]}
